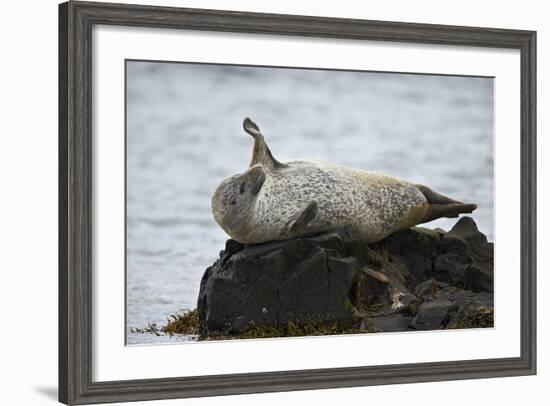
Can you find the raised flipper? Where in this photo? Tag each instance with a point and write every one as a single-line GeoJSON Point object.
{"type": "Point", "coordinates": [305, 217]}
{"type": "Point", "coordinates": [442, 206]}
{"type": "Point", "coordinates": [261, 153]}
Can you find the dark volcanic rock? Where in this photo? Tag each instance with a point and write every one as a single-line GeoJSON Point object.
{"type": "Point", "coordinates": [466, 257]}
{"type": "Point", "coordinates": [429, 288]}
{"type": "Point", "coordinates": [388, 323]}
{"type": "Point", "coordinates": [479, 278]}
{"type": "Point", "coordinates": [413, 252]}
{"type": "Point", "coordinates": [415, 279]}
{"type": "Point", "coordinates": [301, 280]}
{"type": "Point", "coordinates": [432, 314]}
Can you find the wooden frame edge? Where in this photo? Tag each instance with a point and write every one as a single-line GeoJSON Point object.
{"type": "Point", "coordinates": [63, 341]}
{"type": "Point", "coordinates": [75, 173]}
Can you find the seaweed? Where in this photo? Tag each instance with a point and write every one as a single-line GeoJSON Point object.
{"type": "Point", "coordinates": [483, 317]}
{"type": "Point", "coordinates": [187, 323]}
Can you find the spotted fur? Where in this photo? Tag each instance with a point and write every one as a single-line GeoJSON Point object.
{"type": "Point", "coordinates": [376, 205]}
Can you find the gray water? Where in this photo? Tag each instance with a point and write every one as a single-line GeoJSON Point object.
{"type": "Point", "coordinates": [184, 135]}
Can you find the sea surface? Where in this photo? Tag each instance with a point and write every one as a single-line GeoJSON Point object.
{"type": "Point", "coordinates": [184, 135]}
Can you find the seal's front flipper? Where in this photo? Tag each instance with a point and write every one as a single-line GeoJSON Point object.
{"type": "Point", "coordinates": [305, 217]}
{"type": "Point", "coordinates": [261, 153]}
{"type": "Point", "coordinates": [254, 179]}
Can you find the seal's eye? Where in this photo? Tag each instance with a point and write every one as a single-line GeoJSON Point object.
{"type": "Point", "coordinates": [233, 202]}
{"type": "Point", "coordinates": [242, 189]}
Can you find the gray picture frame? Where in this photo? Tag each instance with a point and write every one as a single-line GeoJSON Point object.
{"type": "Point", "coordinates": [76, 20]}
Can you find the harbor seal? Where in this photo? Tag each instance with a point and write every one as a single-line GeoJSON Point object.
{"type": "Point", "coordinates": [275, 200]}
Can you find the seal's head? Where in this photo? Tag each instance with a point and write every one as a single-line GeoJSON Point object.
{"type": "Point", "coordinates": [234, 199]}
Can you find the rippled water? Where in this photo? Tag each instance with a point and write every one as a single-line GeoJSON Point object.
{"type": "Point", "coordinates": [184, 135]}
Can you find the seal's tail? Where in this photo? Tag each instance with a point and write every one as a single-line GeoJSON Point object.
{"type": "Point", "coordinates": [443, 206]}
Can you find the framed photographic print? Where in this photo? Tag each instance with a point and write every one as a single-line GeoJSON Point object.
{"type": "Point", "coordinates": [257, 202]}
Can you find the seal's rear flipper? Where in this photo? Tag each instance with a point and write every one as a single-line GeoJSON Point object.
{"type": "Point", "coordinates": [435, 211]}
{"type": "Point", "coordinates": [305, 217]}
{"type": "Point", "coordinates": [261, 153]}
{"type": "Point", "coordinates": [434, 197]}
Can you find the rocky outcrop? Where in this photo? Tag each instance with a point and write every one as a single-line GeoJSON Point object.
{"type": "Point", "coordinates": [416, 279]}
